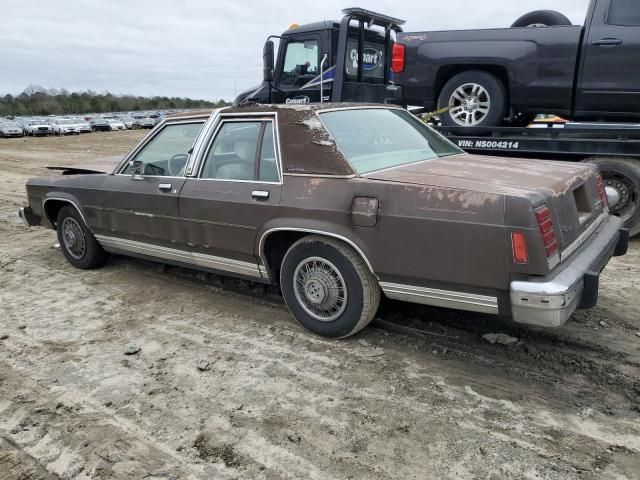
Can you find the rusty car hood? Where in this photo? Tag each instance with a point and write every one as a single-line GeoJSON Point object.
{"type": "Point", "coordinates": [96, 165]}
{"type": "Point", "coordinates": [499, 175]}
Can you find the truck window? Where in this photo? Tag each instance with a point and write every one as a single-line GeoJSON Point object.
{"type": "Point", "coordinates": [624, 12]}
{"type": "Point", "coordinates": [373, 68]}
{"type": "Point", "coordinates": [300, 63]}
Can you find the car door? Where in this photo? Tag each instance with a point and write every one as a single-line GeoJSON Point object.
{"type": "Point", "coordinates": [139, 204]}
{"type": "Point", "coordinates": [610, 79]}
{"type": "Point", "coordinates": [235, 191]}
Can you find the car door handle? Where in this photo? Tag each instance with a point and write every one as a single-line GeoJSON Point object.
{"type": "Point", "coordinates": [164, 187]}
{"type": "Point", "coordinates": [608, 42]}
{"type": "Point", "coordinates": [260, 194]}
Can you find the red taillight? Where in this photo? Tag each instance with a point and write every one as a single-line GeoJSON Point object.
{"type": "Point", "coordinates": [397, 58]}
{"type": "Point", "coordinates": [602, 192]}
{"type": "Point", "coordinates": [519, 245]}
{"type": "Point", "coordinates": [548, 232]}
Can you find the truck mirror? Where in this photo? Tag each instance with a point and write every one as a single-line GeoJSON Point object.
{"type": "Point", "coordinates": [268, 61]}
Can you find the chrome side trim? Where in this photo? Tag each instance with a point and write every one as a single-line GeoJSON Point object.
{"type": "Point", "coordinates": [51, 221]}
{"type": "Point", "coordinates": [441, 298]}
{"type": "Point", "coordinates": [319, 175]}
{"type": "Point", "coordinates": [583, 237]}
{"type": "Point", "coordinates": [198, 259]}
{"type": "Point", "coordinates": [307, 230]}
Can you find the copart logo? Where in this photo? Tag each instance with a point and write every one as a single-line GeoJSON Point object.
{"type": "Point", "coordinates": [299, 100]}
{"type": "Point", "coordinates": [371, 58]}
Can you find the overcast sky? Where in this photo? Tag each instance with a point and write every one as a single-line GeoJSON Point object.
{"type": "Point", "coordinates": [197, 48]}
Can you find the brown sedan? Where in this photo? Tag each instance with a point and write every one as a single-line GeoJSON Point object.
{"type": "Point", "coordinates": [338, 204]}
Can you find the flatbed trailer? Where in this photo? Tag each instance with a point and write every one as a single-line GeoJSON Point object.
{"type": "Point", "coordinates": [615, 148]}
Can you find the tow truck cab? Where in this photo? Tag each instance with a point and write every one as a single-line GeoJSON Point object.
{"type": "Point", "coordinates": [350, 61]}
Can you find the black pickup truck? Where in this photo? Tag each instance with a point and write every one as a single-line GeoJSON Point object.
{"type": "Point", "coordinates": [589, 72]}
{"type": "Point", "coordinates": [486, 77]}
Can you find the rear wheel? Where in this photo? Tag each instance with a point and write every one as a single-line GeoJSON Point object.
{"type": "Point", "coordinates": [623, 175]}
{"type": "Point", "coordinates": [542, 18]}
{"type": "Point", "coordinates": [77, 243]}
{"type": "Point", "coordinates": [328, 287]}
{"type": "Point", "coordinates": [475, 99]}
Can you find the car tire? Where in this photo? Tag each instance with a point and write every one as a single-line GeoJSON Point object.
{"type": "Point", "coordinates": [77, 243]}
{"type": "Point", "coordinates": [330, 265]}
{"type": "Point", "coordinates": [542, 18]}
{"type": "Point", "coordinates": [483, 104]}
{"type": "Point", "coordinates": [623, 174]}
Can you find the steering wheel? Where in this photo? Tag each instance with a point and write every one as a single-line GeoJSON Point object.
{"type": "Point", "coordinates": [176, 164]}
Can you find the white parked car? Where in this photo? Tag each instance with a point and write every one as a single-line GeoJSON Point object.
{"type": "Point", "coordinates": [10, 129]}
{"type": "Point", "coordinates": [37, 128]}
{"type": "Point", "coordinates": [82, 124]}
{"type": "Point", "coordinates": [116, 124]}
{"type": "Point", "coordinates": [128, 122]}
{"type": "Point", "coordinates": [65, 126]}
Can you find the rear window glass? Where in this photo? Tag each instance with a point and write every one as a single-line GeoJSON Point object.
{"type": "Point", "coordinates": [377, 138]}
{"type": "Point", "coordinates": [624, 12]}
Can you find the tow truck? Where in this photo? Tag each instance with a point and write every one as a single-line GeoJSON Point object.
{"type": "Point", "coordinates": [357, 60]}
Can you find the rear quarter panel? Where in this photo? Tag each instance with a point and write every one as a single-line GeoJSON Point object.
{"type": "Point", "coordinates": [432, 236]}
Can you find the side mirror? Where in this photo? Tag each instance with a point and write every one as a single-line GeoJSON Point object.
{"type": "Point", "coordinates": [268, 61]}
{"type": "Point", "coordinates": [136, 167]}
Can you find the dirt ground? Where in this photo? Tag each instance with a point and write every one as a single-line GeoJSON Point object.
{"type": "Point", "coordinates": [418, 395]}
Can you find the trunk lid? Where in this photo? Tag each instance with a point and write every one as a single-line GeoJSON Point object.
{"type": "Point", "coordinates": [569, 189]}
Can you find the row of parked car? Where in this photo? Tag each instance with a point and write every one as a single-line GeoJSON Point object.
{"type": "Point", "coordinates": [75, 125]}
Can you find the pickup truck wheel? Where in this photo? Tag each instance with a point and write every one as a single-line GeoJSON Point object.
{"type": "Point", "coordinates": [475, 99]}
{"type": "Point", "coordinates": [542, 18]}
{"type": "Point", "coordinates": [77, 243]}
{"type": "Point", "coordinates": [623, 174]}
{"type": "Point", "coordinates": [328, 288]}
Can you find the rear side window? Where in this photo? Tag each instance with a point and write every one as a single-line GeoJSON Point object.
{"type": "Point", "coordinates": [234, 152]}
{"type": "Point", "coordinates": [624, 12]}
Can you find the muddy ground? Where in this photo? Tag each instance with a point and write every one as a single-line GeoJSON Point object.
{"type": "Point", "coordinates": [274, 401]}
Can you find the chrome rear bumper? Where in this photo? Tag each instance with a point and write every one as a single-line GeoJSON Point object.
{"type": "Point", "coordinates": [550, 301]}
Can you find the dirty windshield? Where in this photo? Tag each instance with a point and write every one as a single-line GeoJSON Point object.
{"type": "Point", "coordinates": [378, 138]}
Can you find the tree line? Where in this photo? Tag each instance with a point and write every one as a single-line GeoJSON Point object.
{"type": "Point", "coordinates": [35, 100]}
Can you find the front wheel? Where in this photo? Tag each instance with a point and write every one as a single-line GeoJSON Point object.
{"type": "Point", "coordinates": [77, 243]}
{"type": "Point", "coordinates": [328, 287]}
{"type": "Point", "coordinates": [475, 99]}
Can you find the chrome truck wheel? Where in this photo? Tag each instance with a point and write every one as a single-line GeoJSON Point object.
{"type": "Point", "coordinates": [622, 175]}
{"type": "Point", "coordinates": [475, 99]}
{"type": "Point", "coordinates": [469, 104]}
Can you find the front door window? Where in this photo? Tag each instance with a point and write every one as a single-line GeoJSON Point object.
{"type": "Point", "coordinates": [166, 154]}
